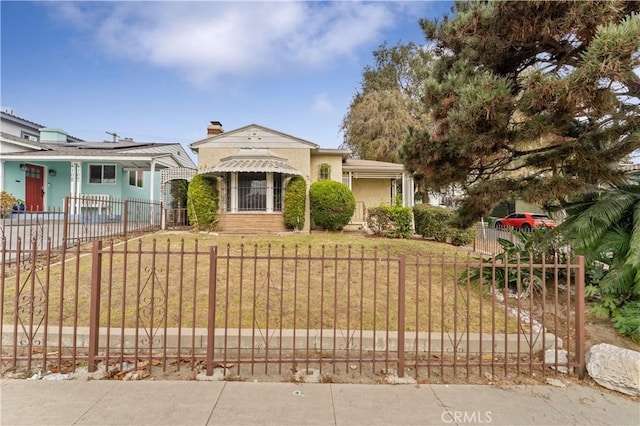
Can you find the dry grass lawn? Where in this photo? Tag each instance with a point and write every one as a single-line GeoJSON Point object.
{"type": "Point", "coordinates": [319, 280]}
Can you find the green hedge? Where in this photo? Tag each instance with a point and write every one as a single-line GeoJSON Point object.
{"type": "Point", "coordinates": [332, 204]}
{"type": "Point", "coordinates": [390, 221]}
{"type": "Point", "coordinates": [202, 202]}
{"type": "Point", "coordinates": [433, 222]}
{"type": "Point", "coordinates": [295, 201]}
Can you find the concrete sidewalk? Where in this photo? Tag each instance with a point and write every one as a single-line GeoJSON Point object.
{"type": "Point", "coordinates": [103, 402]}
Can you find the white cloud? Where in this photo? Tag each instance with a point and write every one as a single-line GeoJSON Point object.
{"type": "Point", "coordinates": [210, 40]}
{"type": "Point", "coordinates": [322, 105]}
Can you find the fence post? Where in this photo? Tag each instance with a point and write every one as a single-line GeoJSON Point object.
{"type": "Point", "coordinates": [211, 317]}
{"type": "Point", "coordinates": [94, 307]}
{"type": "Point", "coordinates": [125, 218]}
{"type": "Point", "coordinates": [580, 318]}
{"type": "Point", "coordinates": [402, 264]}
{"type": "Point", "coordinates": [163, 218]}
{"type": "Point", "coordinates": [65, 223]}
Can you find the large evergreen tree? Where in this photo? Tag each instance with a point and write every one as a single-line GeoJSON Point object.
{"type": "Point", "coordinates": [537, 100]}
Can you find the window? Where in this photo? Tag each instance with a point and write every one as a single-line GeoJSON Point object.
{"type": "Point", "coordinates": [29, 136]}
{"type": "Point", "coordinates": [102, 173]}
{"type": "Point", "coordinates": [277, 192]}
{"type": "Point", "coordinates": [324, 172]}
{"type": "Point", "coordinates": [252, 192]}
{"type": "Point", "coordinates": [32, 172]}
{"type": "Point", "coordinates": [135, 178]}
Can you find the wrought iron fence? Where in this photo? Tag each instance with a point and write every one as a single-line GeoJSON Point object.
{"type": "Point", "coordinates": [324, 311]}
{"type": "Point", "coordinates": [176, 218]}
{"type": "Point", "coordinates": [82, 219]}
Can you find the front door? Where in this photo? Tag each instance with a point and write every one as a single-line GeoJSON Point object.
{"type": "Point", "coordinates": [34, 188]}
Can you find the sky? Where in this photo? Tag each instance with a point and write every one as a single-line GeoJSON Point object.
{"type": "Point", "coordinates": [160, 71]}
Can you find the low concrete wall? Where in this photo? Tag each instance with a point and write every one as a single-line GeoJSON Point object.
{"type": "Point", "coordinates": [326, 339]}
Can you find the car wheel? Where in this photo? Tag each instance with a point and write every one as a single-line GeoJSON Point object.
{"type": "Point", "coordinates": [525, 227]}
{"type": "Point", "coordinates": [499, 225]}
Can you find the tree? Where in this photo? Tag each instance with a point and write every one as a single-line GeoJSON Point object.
{"type": "Point", "coordinates": [605, 227]}
{"type": "Point", "coordinates": [387, 104]}
{"type": "Point", "coordinates": [536, 100]}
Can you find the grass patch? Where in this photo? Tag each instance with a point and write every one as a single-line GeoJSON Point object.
{"type": "Point", "coordinates": [320, 280]}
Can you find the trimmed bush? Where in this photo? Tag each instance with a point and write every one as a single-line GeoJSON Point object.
{"type": "Point", "coordinates": [295, 201]}
{"type": "Point", "coordinates": [462, 237]}
{"type": "Point", "coordinates": [390, 221]}
{"type": "Point", "coordinates": [332, 204]}
{"type": "Point", "coordinates": [202, 202]}
{"type": "Point", "coordinates": [434, 222]}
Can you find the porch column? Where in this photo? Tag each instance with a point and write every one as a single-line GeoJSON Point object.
{"type": "Point", "coordinates": [269, 193]}
{"type": "Point", "coordinates": [234, 192]}
{"type": "Point", "coordinates": [408, 190]}
{"type": "Point", "coordinates": [152, 187]}
{"type": "Point", "coordinates": [1, 175]}
{"type": "Point", "coordinates": [76, 186]}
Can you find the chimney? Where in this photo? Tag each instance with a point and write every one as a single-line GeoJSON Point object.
{"type": "Point", "coordinates": [215, 128]}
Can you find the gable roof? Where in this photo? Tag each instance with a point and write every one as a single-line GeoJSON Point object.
{"type": "Point", "coordinates": [250, 136]}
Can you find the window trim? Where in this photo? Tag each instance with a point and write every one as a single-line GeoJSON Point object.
{"type": "Point", "coordinates": [102, 166]}
{"type": "Point", "coordinates": [138, 178]}
{"type": "Point", "coordinates": [324, 171]}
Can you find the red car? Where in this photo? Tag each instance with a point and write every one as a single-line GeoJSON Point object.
{"type": "Point", "coordinates": [525, 221]}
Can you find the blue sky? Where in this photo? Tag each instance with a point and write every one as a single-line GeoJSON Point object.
{"type": "Point", "coordinates": [160, 71]}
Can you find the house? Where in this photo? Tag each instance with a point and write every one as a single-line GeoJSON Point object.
{"type": "Point", "coordinates": [43, 165]}
{"type": "Point", "coordinates": [254, 164]}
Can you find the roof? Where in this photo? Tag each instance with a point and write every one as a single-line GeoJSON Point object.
{"type": "Point", "coordinates": [373, 169]}
{"type": "Point", "coordinates": [23, 121]}
{"type": "Point", "coordinates": [127, 153]}
{"type": "Point", "coordinates": [31, 124]}
{"type": "Point", "coordinates": [195, 145]}
{"type": "Point", "coordinates": [371, 164]}
{"type": "Point", "coordinates": [252, 160]}
{"type": "Point", "coordinates": [16, 140]}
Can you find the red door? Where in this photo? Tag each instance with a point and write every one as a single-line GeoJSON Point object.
{"type": "Point", "coordinates": [34, 188]}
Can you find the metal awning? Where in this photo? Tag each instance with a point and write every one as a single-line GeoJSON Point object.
{"type": "Point", "coordinates": [252, 160]}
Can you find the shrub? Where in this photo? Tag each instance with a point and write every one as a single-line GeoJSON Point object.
{"type": "Point", "coordinates": [202, 202]}
{"type": "Point", "coordinates": [531, 246]}
{"type": "Point", "coordinates": [390, 221]}
{"type": "Point", "coordinates": [7, 200]}
{"type": "Point", "coordinates": [462, 237]}
{"type": "Point", "coordinates": [432, 221]}
{"type": "Point", "coordinates": [295, 201]}
{"type": "Point", "coordinates": [332, 204]}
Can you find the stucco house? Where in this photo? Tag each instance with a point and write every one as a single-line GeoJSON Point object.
{"type": "Point", "coordinates": [254, 164]}
{"type": "Point", "coordinates": [42, 165]}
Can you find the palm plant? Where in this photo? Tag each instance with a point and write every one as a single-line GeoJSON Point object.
{"type": "Point", "coordinates": [605, 227]}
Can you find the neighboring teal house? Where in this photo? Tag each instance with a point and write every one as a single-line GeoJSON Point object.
{"type": "Point", "coordinates": [41, 166]}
